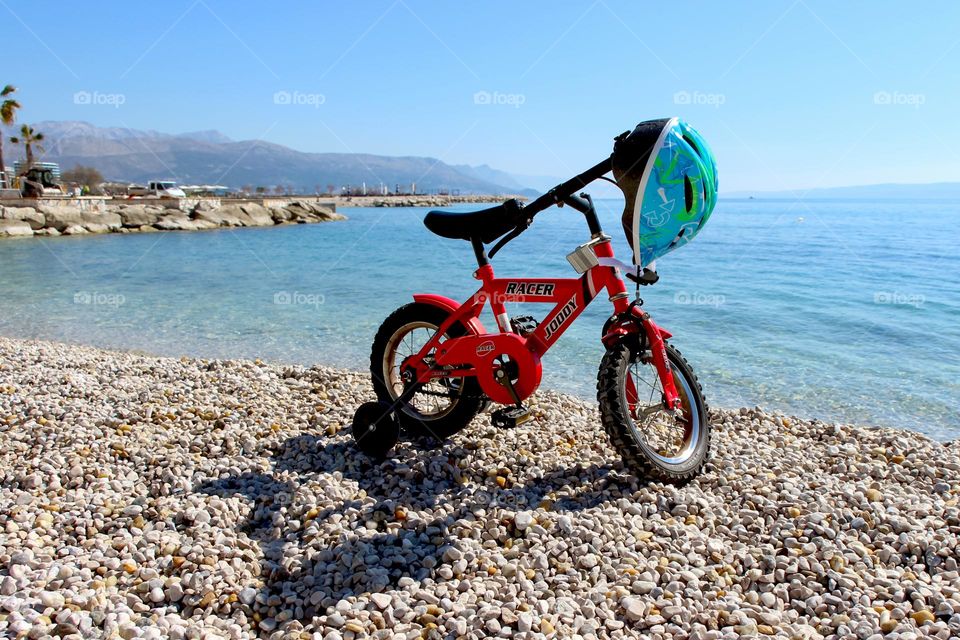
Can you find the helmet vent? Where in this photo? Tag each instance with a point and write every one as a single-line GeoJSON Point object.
{"type": "Point", "coordinates": [687, 193]}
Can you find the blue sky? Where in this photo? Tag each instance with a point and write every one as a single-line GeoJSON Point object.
{"type": "Point", "coordinates": [791, 94]}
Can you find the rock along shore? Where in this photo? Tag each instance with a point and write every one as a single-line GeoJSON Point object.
{"type": "Point", "coordinates": [49, 217]}
{"type": "Point", "coordinates": [159, 497]}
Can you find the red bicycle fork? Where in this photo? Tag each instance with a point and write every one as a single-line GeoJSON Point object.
{"type": "Point", "coordinates": [658, 351]}
{"type": "Point", "coordinates": [635, 320]}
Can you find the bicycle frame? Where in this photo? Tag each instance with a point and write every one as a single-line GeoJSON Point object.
{"type": "Point", "coordinates": [481, 353]}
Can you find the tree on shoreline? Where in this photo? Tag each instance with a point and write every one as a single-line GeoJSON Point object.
{"type": "Point", "coordinates": [8, 113]}
{"type": "Point", "coordinates": [31, 140]}
{"type": "Point", "coordinates": [87, 177]}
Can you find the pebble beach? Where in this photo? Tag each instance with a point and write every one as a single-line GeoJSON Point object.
{"type": "Point", "coordinates": [148, 497]}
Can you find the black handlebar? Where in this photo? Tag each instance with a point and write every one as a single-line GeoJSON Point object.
{"type": "Point", "coordinates": [561, 194]}
{"type": "Point", "coordinates": [565, 190]}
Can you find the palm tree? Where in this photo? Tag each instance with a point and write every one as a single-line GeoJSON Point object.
{"type": "Point", "coordinates": [8, 113]}
{"type": "Point", "coordinates": [30, 139]}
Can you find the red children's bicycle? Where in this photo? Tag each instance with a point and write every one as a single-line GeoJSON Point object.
{"type": "Point", "coordinates": [435, 366]}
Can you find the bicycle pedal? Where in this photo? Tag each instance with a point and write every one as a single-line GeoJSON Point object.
{"type": "Point", "coordinates": [510, 417]}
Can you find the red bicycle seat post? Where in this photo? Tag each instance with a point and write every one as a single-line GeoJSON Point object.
{"type": "Point", "coordinates": [484, 273]}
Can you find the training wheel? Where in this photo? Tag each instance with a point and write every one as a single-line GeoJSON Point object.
{"type": "Point", "coordinates": [374, 429]}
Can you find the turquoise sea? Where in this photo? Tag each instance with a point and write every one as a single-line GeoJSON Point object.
{"type": "Point", "coordinates": [841, 310]}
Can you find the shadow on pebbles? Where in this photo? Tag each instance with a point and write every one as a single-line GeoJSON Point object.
{"type": "Point", "coordinates": [157, 497]}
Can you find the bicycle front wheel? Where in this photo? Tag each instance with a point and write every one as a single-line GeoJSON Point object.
{"type": "Point", "coordinates": [652, 440]}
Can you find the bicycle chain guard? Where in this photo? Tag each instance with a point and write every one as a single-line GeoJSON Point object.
{"type": "Point", "coordinates": [482, 352]}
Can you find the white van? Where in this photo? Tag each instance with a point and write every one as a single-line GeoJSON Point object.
{"type": "Point", "coordinates": [157, 189]}
{"type": "Point", "coordinates": [165, 189]}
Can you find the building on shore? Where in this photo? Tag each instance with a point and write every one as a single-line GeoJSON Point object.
{"type": "Point", "coordinates": [20, 166]}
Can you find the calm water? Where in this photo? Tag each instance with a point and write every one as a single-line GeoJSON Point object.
{"type": "Point", "coordinates": [840, 310]}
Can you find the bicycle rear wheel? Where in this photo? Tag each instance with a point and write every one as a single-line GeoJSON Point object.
{"type": "Point", "coordinates": [443, 406]}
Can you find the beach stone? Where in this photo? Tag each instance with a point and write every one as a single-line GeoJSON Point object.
{"type": "Point", "coordinates": [175, 222]}
{"type": "Point", "coordinates": [51, 599]}
{"type": "Point", "coordinates": [633, 608]}
{"type": "Point", "coordinates": [60, 218]}
{"type": "Point", "coordinates": [15, 228]}
{"type": "Point", "coordinates": [922, 617]}
{"type": "Point", "coordinates": [174, 592]}
{"type": "Point", "coordinates": [31, 216]}
{"type": "Point", "coordinates": [223, 217]}
{"type": "Point", "coordinates": [268, 624]}
{"type": "Point", "coordinates": [643, 586]}
{"type": "Point", "coordinates": [281, 215]}
{"type": "Point", "coordinates": [135, 216]}
{"type": "Point", "coordinates": [524, 622]}
{"type": "Point", "coordinates": [382, 600]}
{"type": "Point", "coordinates": [248, 596]}
{"type": "Point", "coordinates": [452, 554]}
{"type": "Point", "coordinates": [257, 215]}
{"type": "Point", "coordinates": [523, 520]}
{"type": "Point", "coordinates": [307, 211]}
{"type": "Point", "coordinates": [109, 220]}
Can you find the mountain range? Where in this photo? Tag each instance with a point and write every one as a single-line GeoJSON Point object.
{"type": "Point", "coordinates": [210, 157]}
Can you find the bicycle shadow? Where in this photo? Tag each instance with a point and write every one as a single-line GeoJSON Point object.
{"type": "Point", "coordinates": [372, 551]}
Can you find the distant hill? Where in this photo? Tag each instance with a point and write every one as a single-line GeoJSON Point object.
{"type": "Point", "coordinates": [530, 186]}
{"type": "Point", "coordinates": [887, 191]}
{"type": "Point", "coordinates": [210, 157]}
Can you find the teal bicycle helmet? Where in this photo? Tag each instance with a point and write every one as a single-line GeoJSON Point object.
{"type": "Point", "coordinates": [669, 181]}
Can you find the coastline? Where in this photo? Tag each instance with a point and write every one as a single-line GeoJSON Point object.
{"type": "Point", "coordinates": [245, 511]}
{"type": "Point", "coordinates": [48, 217]}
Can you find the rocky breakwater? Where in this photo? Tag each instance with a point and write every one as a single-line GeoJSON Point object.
{"type": "Point", "coordinates": [418, 201]}
{"type": "Point", "coordinates": [146, 497]}
{"type": "Point", "coordinates": [26, 220]}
